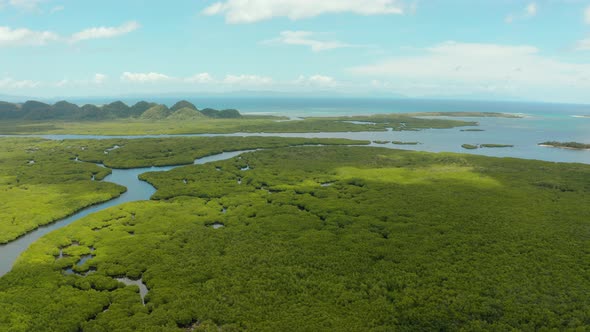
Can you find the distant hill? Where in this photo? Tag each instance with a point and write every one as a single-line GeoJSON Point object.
{"type": "Point", "coordinates": [62, 110]}
{"type": "Point", "coordinates": [158, 112]}
{"type": "Point", "coordinates": [183, 104]}
{"type": "Point", "coordinates": [224, 114]}
{"type": "Point", "coordinates": [186, 113]}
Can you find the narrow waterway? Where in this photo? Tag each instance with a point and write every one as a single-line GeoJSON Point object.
{"type": "Point", "coordinates": [137, 190]}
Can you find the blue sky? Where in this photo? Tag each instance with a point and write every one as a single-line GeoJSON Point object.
{"type": "Point", "coordinates": [496, 49]}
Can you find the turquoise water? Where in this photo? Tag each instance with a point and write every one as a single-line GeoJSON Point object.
{"type": "Point", "coordinates": [322, 106]}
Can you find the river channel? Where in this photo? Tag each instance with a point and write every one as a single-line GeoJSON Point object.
{"type": "Point", "coordinates": [137, 190]}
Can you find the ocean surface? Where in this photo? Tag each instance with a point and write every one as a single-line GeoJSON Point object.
{"type": "Point", "coordinates": [540, 122]}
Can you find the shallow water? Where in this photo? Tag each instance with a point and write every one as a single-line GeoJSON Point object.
{"type": "Point", "coordinates": [524, 133]}
{"type": "Point", "coordinates": [143, 290]}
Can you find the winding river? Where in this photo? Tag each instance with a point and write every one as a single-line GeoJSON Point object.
{"type": "Point", "coordinates": [137, 190]}
{"type": "Point", "coordinates": [524, 134]}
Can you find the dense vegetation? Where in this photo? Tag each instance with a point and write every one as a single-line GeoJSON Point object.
{"type": "Point", "coordinates": [63, 110]}
{"type": "Point", "coordinates": [566, 145]}
{"type": "Point", "coordinates": [323, 238]}
{"type": "Point", "coordinates": [42, 181]}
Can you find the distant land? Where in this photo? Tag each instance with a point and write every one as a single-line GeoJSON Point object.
{"type": "Point", "coordinates": [63, 110]}
{"type": "Point", "coordinates": [566, 145]}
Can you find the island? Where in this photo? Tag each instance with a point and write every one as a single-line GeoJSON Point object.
{"type": "Point", "coordinates": [405, 143]}
{"type": "Point", "coordinates": [496, 146]}
{"type": "Point", "coordinates": [566, 145]}
{"type": "Point", "coordinates": [469, 114]}
{"type": "Point", "coordinates": [477, 146]}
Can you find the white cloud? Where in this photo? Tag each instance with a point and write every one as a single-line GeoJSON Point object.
{"type": "Point", "coordinates": [247, 80]}
{"type": "Point", "coordinates": [62, 83]}
{"type": "Point", "coordinates": [528, 12]}
{"type": "Point", "coordinates": [56, 9]}
{"type": "Point", "coordinates": [587, 15]}
{"type": "Point", "coordinates": [9, 83]}
{"type": "Point", "coordinates": [242, 11]}
{"type": "Point", "coordinates": [20, 37]}
{"type": "Point", "coordinates": [316, 80]}
{"type": "Point", "coordinates": [99, 78]}
{"type": "Point", "coordinates": [583, 45]}
{"type": "Point", "coordinates": [480, 66]}
{"type": "Point", "coordinates": [25, 5]}
{"type": "Point", "coordinates": [305, 38]}
{"type": "Point", "coordinates": [144, 77]}
{"type": "Point", "coordinates": [199, 78]}
{"type": "Point", "coordinates": [531, 9]}
{"type": "Point", "coordinates": [104, 32]}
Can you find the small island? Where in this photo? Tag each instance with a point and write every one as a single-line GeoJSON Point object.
{"type": "Point", "coordinates": [469, 114]}
{"type": "Point", "coordinates": [566, 145]}
{"type": "Point", "coordinates": [469, 146]}
{"type": "Point", "coordinates": [472, 129]}
{"type": "Point", "coordinates": [405, 143]}
{"type": "Point", "coordinates": [496, 146]}
{"type": "Point", "coordinates": [477, 146]}
{"type": "Point", "coordinates": [381, 142]}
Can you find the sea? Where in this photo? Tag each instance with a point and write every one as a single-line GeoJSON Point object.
{"type": "Point", "coordinates": [539, 122]}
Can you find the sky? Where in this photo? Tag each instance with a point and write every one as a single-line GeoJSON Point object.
{"type": "Point", "coordinates": [466, 49]}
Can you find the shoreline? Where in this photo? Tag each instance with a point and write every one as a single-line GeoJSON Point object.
{"type": "Point", "coordinates": [562, 147]}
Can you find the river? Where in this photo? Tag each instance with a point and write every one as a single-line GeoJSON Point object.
{"type": "Point", "coordinates": [137, 190]}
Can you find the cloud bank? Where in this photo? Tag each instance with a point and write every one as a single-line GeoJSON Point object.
{"type": "Point", "coordinates": [240, 11]}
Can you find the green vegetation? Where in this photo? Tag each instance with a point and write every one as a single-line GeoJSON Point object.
{"type": "Point", "coordinates": [476, 146]}
{"type": "Point", "coordinates": [220, 125]}
{"type": "Point", "coordinates": [469, 114]}
{"type": "Point", "coordinates": [224, 114]}
{"type": "Point", "coordinates": [405, 143]}
{"type": "Point", "coordinates": [133, 153]}
{"type": "Point", "coordinates": [469, 146]}
{"type": "Point", "coordinates": [496, 146]}
{"type": "Point", "coordinates": [397, 122]}
{"type": "Point", "coordinates": [566, 145]}
{"type": "Point", "coordinates": [323, 238]}
{"type": "Point", "coordinates": [186, 113]}
{"type": "Point", "coordinates": [183, 104]}
{"type": "Point", "coordinates": [41, 182]}
{"type": "Point", "coordinates": [158, 112]}
{"type": "Point", "coordinates": [381, 142]}
{"type": "Point", "coordinates": [65, 111]}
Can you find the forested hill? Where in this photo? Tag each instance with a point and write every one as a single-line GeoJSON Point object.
{"type": "Point", "coordinates": [63, 110]}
